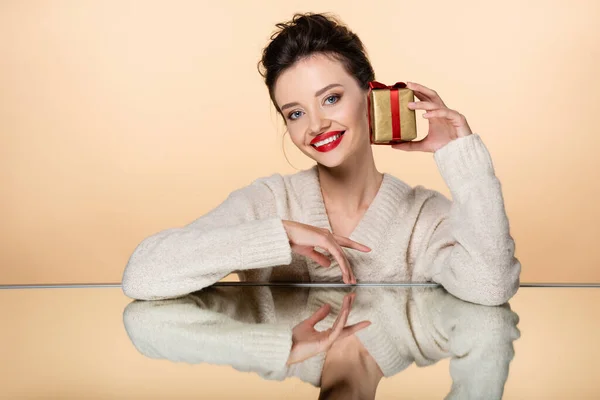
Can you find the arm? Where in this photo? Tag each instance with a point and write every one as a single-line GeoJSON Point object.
{"type": "Point", "coordinates": [465, 245]}
{"type": "Point", "coordinates": [216, 327]}
{"type": "Point", "coordinates": [478, 339]}
{"type": "Point", "coordinates": [243, 232]}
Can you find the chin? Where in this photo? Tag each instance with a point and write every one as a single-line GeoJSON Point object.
{"type": "Point", "coordinates": [335, 158]}
{"type": "Point", "coordinates": [329, 164]}
{"type": "Point", "coordinates": [331, 160]}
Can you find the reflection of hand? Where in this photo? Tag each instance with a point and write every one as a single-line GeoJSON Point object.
{"type": "Point", "coordinates": [308, 342]}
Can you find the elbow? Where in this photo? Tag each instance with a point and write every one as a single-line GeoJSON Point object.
{"type": "Point", "coordinates": [500, 286]}
{"type": "Point", "coordinates": [136, 282]}
{"type": "Point", "coordinates": [164, 267]}
{"type": "Point", "coordinates": [481, 281]}
{"type": "Point", "coordinates": [131, 290]}
{"type": "Point", "coordinates": [145, 280]}
{"type": "Point", "coordinates": [489, 294]}
{"type": "Point", "coordinates": [133, 284]}
{"type": "Point", "coordinates": [138, 286]}
{"type": "Point", "coordinates": [499, 295]}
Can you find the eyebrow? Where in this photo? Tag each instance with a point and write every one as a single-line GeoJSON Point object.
{"type": "Point", "coordinates": [319, 92]}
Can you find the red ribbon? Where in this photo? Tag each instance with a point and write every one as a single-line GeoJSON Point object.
{"type": "Point", "coordinates": [394, 103]}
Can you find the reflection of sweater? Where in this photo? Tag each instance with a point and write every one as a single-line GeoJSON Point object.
{"type": "Point", "coordinates": [415, 234]}
{"type": "Point", "coordinates": [249, 328]}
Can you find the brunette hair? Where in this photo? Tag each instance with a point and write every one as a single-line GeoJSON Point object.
{"type": "Point", "coordinates": [308, 34]}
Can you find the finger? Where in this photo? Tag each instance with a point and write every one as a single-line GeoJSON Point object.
{"type": "Point", "coordinates": [347, 242]}
{"type": "Point", "coordinates": [425, 93]}
{"type": "Point", "coordinates": [340, 257]}
{"type": "Point", "coordinates": [421, 92]}
{"type": "Point", "coordinates": [319, 315]}
{"type": "Point", "coordinates": [343, 261]}
{"type": "Point", "coordinates": [344, 308]}
{"type": "Point", "coordinates": [349, 301]}
{"type": "Point", "coordinates": [338, 325]}
{"type": "Point", "coordinates": [421, 88]}
{"type": "Point", "coordinates": [350, 297]}
{"type": "Point", "coordinates": [321, 259]}
{"type": "Point", "coordinates": [352, 278]}
{"type": "Point", "coordinates": [342, 318]}
{"type": "Point", "coordinates": [351, 329]}
{"type": "Point", "coordinates": [452, 115]}
{"type": "Point", "coordinates": [422, 105]}
{"type": "Point", "coordinates": [330, 244]}
{"type": "Point", "coordinates": [311, 253]}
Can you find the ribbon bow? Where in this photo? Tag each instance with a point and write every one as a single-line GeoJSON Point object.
{"type": "Point", "coordinates": [379, 85]}
{"type": "Point", "coordinates": [395, 111]}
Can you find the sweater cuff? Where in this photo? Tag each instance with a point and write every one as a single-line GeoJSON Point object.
{"type": "Point", "coordinates": [464, 160]}
{"type": "Point", "coordinates": [265, 244]}
{"type": "Point", "coordinates": [272, 343]}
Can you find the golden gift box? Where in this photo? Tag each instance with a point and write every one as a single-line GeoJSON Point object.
{"type": "Point", "coordinates": [390, 119]}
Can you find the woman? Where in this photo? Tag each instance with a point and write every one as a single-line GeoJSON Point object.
{"type": "Point", "coordinates": [374, 226]}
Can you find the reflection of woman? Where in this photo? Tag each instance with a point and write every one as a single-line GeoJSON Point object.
{"type": "Point", "coordinates": [374, 226]}
{"type": "Point", "coordinates": [255, 329]}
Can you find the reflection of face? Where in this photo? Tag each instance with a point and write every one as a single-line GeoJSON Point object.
{"type": "Point", "coordinates": [340, 107]}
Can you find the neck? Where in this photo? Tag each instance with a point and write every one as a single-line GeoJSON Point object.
{"type": "Point", "coordinates": [351, 186]}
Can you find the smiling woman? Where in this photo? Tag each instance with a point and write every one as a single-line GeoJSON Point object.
{"type": "Point", "coordinates": [342, 219]}
{"type": "Point", "coordinates": [321, 110]}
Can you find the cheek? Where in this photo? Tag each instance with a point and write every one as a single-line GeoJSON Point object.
{"type": "Point", "coordinates": [296, 135]}
{"type": "Point", "coordinates": [353, 114]}
{"type": "Point", "coordinates": [360, 118]}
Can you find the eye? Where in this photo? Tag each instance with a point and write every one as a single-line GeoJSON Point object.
{"type": "Point", "coordinates": [290, 115]}
{"type": "Point", "coordinates": [333, 96]}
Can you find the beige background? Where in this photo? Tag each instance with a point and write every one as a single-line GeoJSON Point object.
{"type": "Point", "coordinates": [71, 344]}
{"type": "Point", "coordinates": [121, 118]}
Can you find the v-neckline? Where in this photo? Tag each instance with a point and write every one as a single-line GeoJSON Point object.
{"type": "Point", "coordinates": [388, 205]}
{"type": "Point", "coordinates": [373, 208]}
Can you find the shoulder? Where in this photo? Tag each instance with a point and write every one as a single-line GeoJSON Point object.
{"type": "Point", "coordinates": [275, 192]}
{"type": "Point", "coordinates": [418, 195]}
{"type": "Point", "coordinates": [281, 184]}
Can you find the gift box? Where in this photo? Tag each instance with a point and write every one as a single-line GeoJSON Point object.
{"type": "Point", "coordinates": [390, 119]}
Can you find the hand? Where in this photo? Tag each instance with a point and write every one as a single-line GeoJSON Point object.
{"type": "Point", "coordinates": [303, 239]}
{"type": "Point", "coordinates": [445, 124]}
{"type": "Point", "coordinates": [308, 342]}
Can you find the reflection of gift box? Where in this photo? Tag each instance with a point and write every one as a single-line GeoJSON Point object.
{"type": "Point", "coordinates": [390, 119]}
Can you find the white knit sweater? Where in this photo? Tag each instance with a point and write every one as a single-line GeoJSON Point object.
{"type": "Point", "coordinates": [416, 234]}
{"type": "Point", "coordinates": [249, 328]}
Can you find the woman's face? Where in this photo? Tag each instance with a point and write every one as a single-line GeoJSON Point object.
{"type": "Point", "coordinates": [317, 96]}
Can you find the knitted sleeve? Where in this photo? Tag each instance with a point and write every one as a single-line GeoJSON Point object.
{"type": "Point", "coordinates": [194, 331]}
{"type": "Point", "coordinates": [478, 340]}
{"type": "Point", "coordinates": [243, 232]}
{"type": "Point", "coordinates": [465, 244]}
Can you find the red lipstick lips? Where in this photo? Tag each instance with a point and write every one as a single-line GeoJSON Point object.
{"type": "Point", "coordinates": [329, 146]}
{"type": "Point", "coordinates": [324, 136]}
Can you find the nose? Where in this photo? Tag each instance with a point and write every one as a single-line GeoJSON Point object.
{"type": "Point", "coordinates": [318, 123]}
